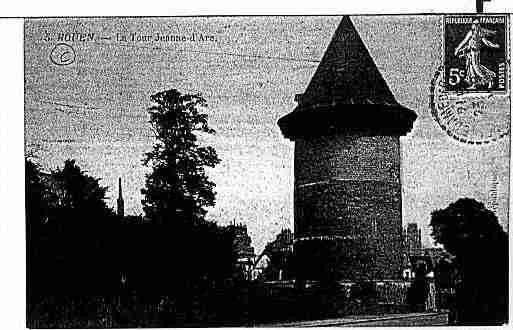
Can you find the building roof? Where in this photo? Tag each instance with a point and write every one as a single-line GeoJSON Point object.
{"type": "Point", "coordinates": [347, 94]}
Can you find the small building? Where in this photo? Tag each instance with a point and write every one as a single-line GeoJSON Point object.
{"type": "Point", "coordinates": [413, 240]}
{"type": "Point", "coordinates": [244, 252]}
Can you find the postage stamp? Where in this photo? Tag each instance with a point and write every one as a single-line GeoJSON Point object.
{"type": "Point", "coordinates": [475, 53]}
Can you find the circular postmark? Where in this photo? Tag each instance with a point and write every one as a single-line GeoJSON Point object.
{"type": "Point", "coordinates": [473, 118]}
{"type": "Point", "coordinates": [62, 54]}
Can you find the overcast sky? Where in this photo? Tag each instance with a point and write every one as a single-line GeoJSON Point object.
{"type": "Point", "coordinates": [93, 110]}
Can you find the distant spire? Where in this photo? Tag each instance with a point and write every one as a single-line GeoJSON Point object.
{"type": "Point", "coordinates": [121, 203]}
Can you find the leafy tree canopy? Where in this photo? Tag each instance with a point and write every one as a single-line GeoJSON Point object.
{"type": "Point", "coordinates": [77, 190]}
{"type": "Point", "coordinates": [464, 226]}
{"type": "Point", "coordinates": [178, 187]}
{"type": "Point", "coordinates": [64, 193]}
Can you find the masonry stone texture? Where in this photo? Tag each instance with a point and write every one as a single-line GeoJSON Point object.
{"type": "Point", "coordinates": [348, 195]}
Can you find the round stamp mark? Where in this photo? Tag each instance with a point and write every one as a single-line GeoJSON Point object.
{"type": "Point", "coordinates": [62, 54]}
{"type": "Point", "coordinates": [473, 118]}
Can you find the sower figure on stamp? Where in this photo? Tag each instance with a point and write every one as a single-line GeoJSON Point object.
{"type": "Point", "coordinates": [470, 47]}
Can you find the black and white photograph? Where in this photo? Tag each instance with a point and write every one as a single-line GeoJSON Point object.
{"type": "Point", "coordinates": [267, 170]}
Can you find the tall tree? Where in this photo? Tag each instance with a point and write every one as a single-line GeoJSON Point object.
{"type": "Point", "coordinates": [178, 188]}
{"type": "Point", "coordinates": [183, 248]}
{"type": "Point", "coordinates": [474, 236]}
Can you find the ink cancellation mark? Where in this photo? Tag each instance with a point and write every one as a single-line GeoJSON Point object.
{"type": "Point", "coordinates": [473, 118]}
{"type": "Point", "coordinates": [62, 54]}
{"type": "Point", "coordinates": [475, 53]}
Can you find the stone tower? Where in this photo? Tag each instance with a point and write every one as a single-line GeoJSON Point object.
{"type": "Point", "coordinates": [347, 187]}
{"type": "Point", "coordinates": [121, 202]}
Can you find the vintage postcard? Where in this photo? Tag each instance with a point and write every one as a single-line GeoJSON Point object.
{"type": "Point", "coordinates": [267, 171]}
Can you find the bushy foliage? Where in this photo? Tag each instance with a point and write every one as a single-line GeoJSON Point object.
{"type": "Point", "coordinates": [68, 230]}
{"type": "Point", "coordinates": [472, 233]}
{"type": "Point", "coordinates": [464, 226]}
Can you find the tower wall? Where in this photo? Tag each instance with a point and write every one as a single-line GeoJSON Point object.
{"type": "Point", "coordinates": [347, 207]}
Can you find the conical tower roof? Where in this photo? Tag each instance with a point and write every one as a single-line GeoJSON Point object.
{"type": "Point", "coordinates": [347, 73]}
{"type": "Point", "coordinates": [347, 94]}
